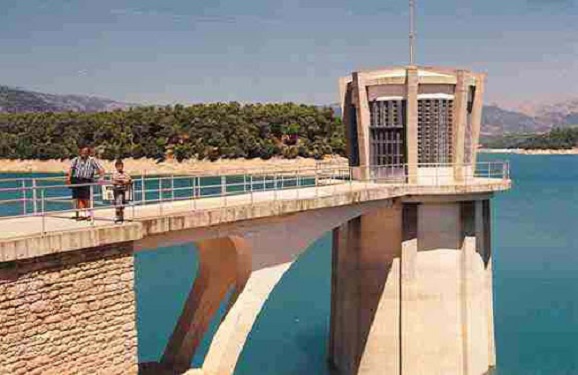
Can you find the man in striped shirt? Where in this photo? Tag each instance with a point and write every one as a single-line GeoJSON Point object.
{"type": "Point", "coordinates": [82, 172]}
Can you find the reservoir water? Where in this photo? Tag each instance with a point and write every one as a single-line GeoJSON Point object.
{"type": "Point", "coordinates": [535, 260]}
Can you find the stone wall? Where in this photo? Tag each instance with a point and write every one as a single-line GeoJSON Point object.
{"type": "Point", "coordinates": [69, 313]}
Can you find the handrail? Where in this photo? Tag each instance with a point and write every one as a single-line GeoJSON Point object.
{"type": "Point", "coordinates": [29, 197]}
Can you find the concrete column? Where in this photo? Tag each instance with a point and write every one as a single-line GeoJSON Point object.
{"type": "Point", "coordinates": [431, 324]}
{"type": "Point", "coordinates": [411, 292]}
{"type": "Point", "coordinates": [484, 232]}
{"type": "Point", "coordinates": [412, 123]}
{"type": "Point", "coordinates": [225, 265]}
{"type": "Point", "coordinates": [459, 125]}
{"type": "Point", "coordinates": [476, 115]}
{"type": "Point", "coordinates": [365, 289]}
{"type": "Point", "coordinates": [363, 122]}
{"type": "Point", "coordinates": [476, 301]}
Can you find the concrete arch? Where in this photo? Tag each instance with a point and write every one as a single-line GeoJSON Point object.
{"type": "Point", "coordinates": [224, 265]}
{"type": "Point", "coordinates": [274, 252]}
{"type": "Point", "coordinates": [249, 259]}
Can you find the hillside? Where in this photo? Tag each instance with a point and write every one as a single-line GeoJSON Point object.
{"type": "Point", "coordinates": [496, 120]}
{"type": "Point", "coordinates": [14, 100]}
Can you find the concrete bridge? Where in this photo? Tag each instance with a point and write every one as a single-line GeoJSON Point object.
{"type": "Point", "coordinates": [67, 297]}
{"type": "Point", "coordinates": [411, 259]}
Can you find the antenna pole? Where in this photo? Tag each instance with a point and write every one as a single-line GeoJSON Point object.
{"type": "Point", "coordinates": [411, 32]}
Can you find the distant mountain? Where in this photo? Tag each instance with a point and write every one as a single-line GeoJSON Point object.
{"type": "Point", "coordinates": [497, 120]}
{"type": "Point", "coordinates": [19, 100]}
{"type": "Point", "coordinates": [560, 114]}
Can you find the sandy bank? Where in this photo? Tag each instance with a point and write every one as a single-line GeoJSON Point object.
{"type": "Point", "coordinates": [572, 151]}
{"type": "Point", "coordinates": [149, 166]}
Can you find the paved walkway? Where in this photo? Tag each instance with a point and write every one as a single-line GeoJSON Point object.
{"type": "Point", "coordinates": [63, 221]}
{"type": "Point", "coordinates": [12, 228]}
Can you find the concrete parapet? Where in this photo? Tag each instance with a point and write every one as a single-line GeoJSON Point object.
{"type": "Point", "coordinates": [39, 245]}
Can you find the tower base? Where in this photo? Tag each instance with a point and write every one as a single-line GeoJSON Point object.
{"type": "Point", "coordinates": [412, 291]}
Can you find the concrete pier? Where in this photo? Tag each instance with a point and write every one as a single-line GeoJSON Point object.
{"type": "Point", "coordinates": [411, 290]}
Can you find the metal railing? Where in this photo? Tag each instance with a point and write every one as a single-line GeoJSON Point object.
{"type": "Point", "coordinates": [51, 196]}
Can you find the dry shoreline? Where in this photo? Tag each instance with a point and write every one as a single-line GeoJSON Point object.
{"type": "Point", "coordinates": [150, 166]}
{"type": "Point", "coordinates": [519, 151]}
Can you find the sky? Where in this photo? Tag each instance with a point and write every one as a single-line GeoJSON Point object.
{"type": "Point", "coordinates": [187, 51]}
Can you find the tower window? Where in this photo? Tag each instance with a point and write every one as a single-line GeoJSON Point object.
{"type": "Point", "coordinates": [435, 131]}
{"type": "Point", "coordinates": [387, 132]}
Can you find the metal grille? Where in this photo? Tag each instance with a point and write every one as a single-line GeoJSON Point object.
{"type": "Point", "coordinates": [387, 131]}
{"type": "Point", "coordinates": [435, 130]}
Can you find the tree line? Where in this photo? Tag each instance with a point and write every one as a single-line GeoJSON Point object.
{"type": "Point", "coordinates": [556, 139]}
{"type": "Point", "coordinates": [200, 131]}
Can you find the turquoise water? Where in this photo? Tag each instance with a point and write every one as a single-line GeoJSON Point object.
{"type": "Point", "coordinates": [535, 286]}
{"type": "Point", "coordinates": [536, 267]}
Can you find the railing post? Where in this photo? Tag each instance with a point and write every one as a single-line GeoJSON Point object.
{"type": "Point", "coordinates": [223, 185]}
{"type": "Point", "coordinates": [34, 196]}
{"type": "Point", "coordinates": [297, 183]}
{"type": "Point", "coordinates": [172, 187]}
{"type": "Point", "coordinates": [299, 176]}
{"type": "Point", "coordinates": [244, 182]}
{"type": "Point", "coordinates": [316, 173]}
{"type": "Point", "coordinates": [143, 190]}
{"type": "Point", "coordinates": [192, 188]}
{"type": "Point", "coordinates": [350, 180]}
{"type": "Point", "coordinates": [274, 187]}
{"type": "Point", "coordinates": [24, 208]}
{"type": "Point", "coordinates": [42, 207]}
{"type": "Point", "coordinates": [316, 182]}
{"type": "Point", "coordinates": [196, 191]}
{"type": "Point", "coordinates": [91, 213]}
{"type": "Point", "coordinates": [224, 190]}
{"type": "Point", "coordinates": [161, 195]}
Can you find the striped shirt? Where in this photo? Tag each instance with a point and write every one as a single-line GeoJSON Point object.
{"type": "Point", "coordinates": [85, 168]}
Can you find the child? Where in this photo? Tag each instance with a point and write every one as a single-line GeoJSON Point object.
{"type": "Point", "coordinates": [121, 182]}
